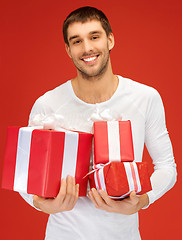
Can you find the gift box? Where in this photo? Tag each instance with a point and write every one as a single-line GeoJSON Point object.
{"type": "Point", "coordinates": [36, 160]}
{"type": "Point", "coordinates": [119, 179]}
{"type": "Point", "coordinates": [113, 141]}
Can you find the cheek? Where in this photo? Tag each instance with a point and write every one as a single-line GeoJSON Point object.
{"type": "Point", "coordinates": [104, 46]}
{"type": "Point", "coordinates": [75, 53]}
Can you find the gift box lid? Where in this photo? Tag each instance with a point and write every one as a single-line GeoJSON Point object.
{"type": "Point", "coordinates": [113, 141]}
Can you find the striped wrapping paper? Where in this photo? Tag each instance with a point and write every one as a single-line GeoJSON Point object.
{"type": "Point", "coordinates": [36, 160]}
{"type": "Point", "coordinates": [113, 142]}
{"type": "Point", "coordinates": [119, 179]}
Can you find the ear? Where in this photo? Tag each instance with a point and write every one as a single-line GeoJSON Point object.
{"type": "Point", "coordinates": [68, 50]}
{"type": "Point", "coordinates": [111, 41]}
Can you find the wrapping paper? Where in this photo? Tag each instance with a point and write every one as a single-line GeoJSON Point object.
{"type": "Point", "coordinates": [119, 179]}
{"type": "Point", "coordinates": [113, 141]}
{"type": "Point", "coordinates": [36, 160]}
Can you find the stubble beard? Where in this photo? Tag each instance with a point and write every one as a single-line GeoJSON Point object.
{"type": "Point", "coordinates": [96, 75]}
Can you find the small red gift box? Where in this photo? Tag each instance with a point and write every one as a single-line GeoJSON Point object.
{"type": "Point", "coordinates": [36, 160]}
{"type": "Point", "coordinates": [113, 142]}
{"type": "Point", "coordinates": [119, 179]}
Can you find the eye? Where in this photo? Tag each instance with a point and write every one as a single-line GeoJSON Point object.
{"type": "Point", "coordinates": [94, 37]}
{"type": "Point", "coordinates": [76, 42]}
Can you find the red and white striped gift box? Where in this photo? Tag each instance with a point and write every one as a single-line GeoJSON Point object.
{"type": "Point", "coordinates": [36, 160]}
{"type": "Point", "coordinates": [113, 141]}
{"type": "Point", "coordinates": [119, 179]}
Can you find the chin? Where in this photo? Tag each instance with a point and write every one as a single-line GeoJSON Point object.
{"type": "Point", "coordinates": [93, 74]}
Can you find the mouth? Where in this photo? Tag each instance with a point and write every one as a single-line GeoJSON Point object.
{"type": "Point", "coordinates": [90, 59]}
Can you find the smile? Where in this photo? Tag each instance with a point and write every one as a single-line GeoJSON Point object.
{"type": "Point", "coordinates": [90, 59]}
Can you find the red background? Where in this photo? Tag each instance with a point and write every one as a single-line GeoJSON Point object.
{"type": "Point", "coordinates": [33, 60]}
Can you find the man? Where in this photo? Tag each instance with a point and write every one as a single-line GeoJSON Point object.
{"type": "Point", "coordinates": [97, 94]}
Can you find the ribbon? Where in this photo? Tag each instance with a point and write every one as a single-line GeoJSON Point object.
{"type": "Point", "coordinates": [131, 174]}
{"type": "Point", "coordinates": [48, 121]}
{"type": "Point", "coordinates": [22, 159]}
{"type": "Point", "coordinates": [70, 154]}
{"type": "Point", "coordinates": [114, 141]}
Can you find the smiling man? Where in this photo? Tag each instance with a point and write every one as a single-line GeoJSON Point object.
{"type": "Point", "coordinates": [89, 49]}
{"type": "Point", "coordinates": [96, 94]}
{"type": "Point", "coordinates": [89, 45]}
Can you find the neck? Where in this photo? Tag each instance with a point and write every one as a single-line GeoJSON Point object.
{"type": "Point", "coordinates": [95, 89]}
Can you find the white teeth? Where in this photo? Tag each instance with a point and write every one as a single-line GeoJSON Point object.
{"type": "Point", "coordinates": [89, 59]}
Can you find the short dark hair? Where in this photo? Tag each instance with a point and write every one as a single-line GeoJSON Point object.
{"type": "Point", "coordinates": [84, 14]}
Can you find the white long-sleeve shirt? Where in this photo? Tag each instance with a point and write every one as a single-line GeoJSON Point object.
{"type": "Point", "coordinates": [133, 101]}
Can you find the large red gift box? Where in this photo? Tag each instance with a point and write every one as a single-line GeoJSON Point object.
{"type": "Point", "coordinates": [113, 142]}
{"type": "Point", "coordinates": [119, 179]}
{"type": "Point", "coordinates": [36, 160]}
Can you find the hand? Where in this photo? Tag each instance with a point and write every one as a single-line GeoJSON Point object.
{"type": "Point", "coordinates": [65, 200]}
{"type": "Point", "coordinates": [127, 206]}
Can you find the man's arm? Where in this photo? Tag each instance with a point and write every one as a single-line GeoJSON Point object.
{"type": "Point", "coordinates": [160, 149]}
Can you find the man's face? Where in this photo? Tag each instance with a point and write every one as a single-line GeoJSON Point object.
{"type": "Point", "coordinates": [89, 47]}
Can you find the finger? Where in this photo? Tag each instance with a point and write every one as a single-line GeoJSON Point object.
{"type": "Point", "coordinates": [76, 194]}
{"type": "Point", "coordinates": [74, 185]}
{"type": "Point", "coordinates": [69, 192]}
{"type": "Point", "coordinates": [77, 190]}
{"type": "Point", "coordinates": [35, 198]}
{"type": "Point", "coordinates": [106, 198]}
{"type": "Point", "coordinates": [70, 188]}
{"type": "Point", "coordinates": [92, 199]}
{"type": "Point", "coordinates": [100, 202]}
{"type": "Point", "coordinates": [133, 197]}
{"type": "Point", "coordinates": [62, 192]}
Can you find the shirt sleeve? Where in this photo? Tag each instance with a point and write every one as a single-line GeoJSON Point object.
{"type": "Point", "coordinates": [29, 199]}
{"type": "Point", "coordinates": [38, 112]}
{"type": "Point", "coordinates": [160, 149]}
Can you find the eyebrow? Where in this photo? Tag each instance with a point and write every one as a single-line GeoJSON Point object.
{"type": "Point", "coordinates": [95, 32]}
{"type": "Point", "coordinates": [73, 37]}
{"type": "Point", "coordinates": [90, 33]}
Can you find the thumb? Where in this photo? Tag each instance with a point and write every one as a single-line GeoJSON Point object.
{"type": "Point", "coordinates": [133, 196]}
{"type": "Point", "coordinates": [35, 197]}
{"type": "Point", "coordinates": [38, 198]}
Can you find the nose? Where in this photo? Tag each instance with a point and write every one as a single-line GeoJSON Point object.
{"type": "Point", "coordinates": [87, 46]}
